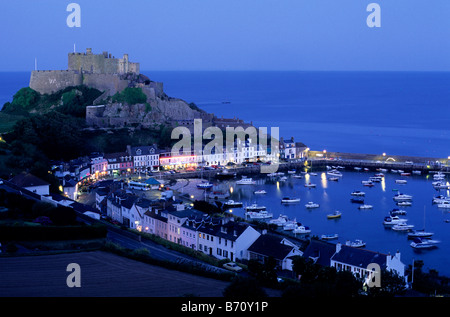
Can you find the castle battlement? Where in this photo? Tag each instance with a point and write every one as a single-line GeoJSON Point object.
{"type": "Point", "coordinates": [100, 71]}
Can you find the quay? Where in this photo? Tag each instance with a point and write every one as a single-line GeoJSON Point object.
{"type": "Point", "coordinates": [320, 159]}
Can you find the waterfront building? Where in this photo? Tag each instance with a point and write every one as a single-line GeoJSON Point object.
{"type": "Point", "coordinates": [99, 165]}
{"type": "Point", "coordinates": [119, 163]}
{"type": "Point", "coordinates": [287, 149]}
{"type": "Point", "coordinates": [145, 158]}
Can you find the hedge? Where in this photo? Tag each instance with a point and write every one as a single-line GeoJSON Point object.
{"type": "Point", "coordinates": [29, 233]}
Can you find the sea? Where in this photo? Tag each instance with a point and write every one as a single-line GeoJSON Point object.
{"type": "Point", "coordinates": [397, 113]}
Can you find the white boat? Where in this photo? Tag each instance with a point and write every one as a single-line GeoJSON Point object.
{"type": "Point", "coordinates": [288, 200]}
{"type": "Point", "coordinates": [245, 181]}
{"type": "Point", "coordinates": [379, 175]}
{"type": "Point", "coordinates": [397, 212]}
{"type": "Point", "coordinates": [424, 243]}
{"type": "Point", "coordinates": [263, 214]}
{"type": "Point", "coordinates": [290, 225]}
{"type": "Point", "coordinates": [402, 227]}
{"type": "Point", "coordinates": [393, 220]}
{"type": "Point", "coordinates": [439, 176]}
{"type": "Point", "coordinates": [367, 183]}
{"type": "Point", "coordinates": [417, 172]}
{"type": "Point", "coordinates": [357, 168]}
{"type": "Point", "coordinates": [280, 221]}
{"type": "Point", "coordinates": [312, 205]}
{"type": "Point", "coordinates": [334, 178]}
{"type": "Point", "coordinates": [232, 204]}
{"type": "Point", "coordinates": [301, 229]}
{"type": "Point", "coordinates": [313, 174]}
{"type": "Point", "coordinates": [292, 172]}
{"type": "Point", "coordinates": [419, 234]}
{"type": "Point", "coordinates": [204, 185]}
{"type": "Point", "coordinates": [402, 197]}
{"type": "Point", "coordinates": [356, 244]}
{"type": "Point", "coordinates": [405, 174]}
{"type": "Point", "coordinates": [260, 192]}
{"type": "Point", "coordinates": [404, 203]}
{"type": "Point", "coordinates": [394, 171]}
{"type": "Point", "coordinates": [365, 206]}
{"type": "Point", "coordinates": [310, 185]}
{"type": "Point", "coordinates": [444, 204]}
{"type": "Point", "coordinates": [329, 236]}
{"type": "Point", "coordinates": [440, 185]}
{"type": "Point", "coordinates": [401, 181]}
{"type": "Point", "coordinates": [358, 193]}
{"type": "Point", "coordinates": [297, 176]}
{"type": "Point", "coordinates": [376, 179]}
{"type": "Point", "coordinates": [334, 173]}
{"type": "Point", "coordinates": [255, 207]}
{"type": "Point", "coordinates": [441, 199]}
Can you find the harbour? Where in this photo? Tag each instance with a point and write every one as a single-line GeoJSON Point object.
{"type": "Point", "coordinates": [357, 222]}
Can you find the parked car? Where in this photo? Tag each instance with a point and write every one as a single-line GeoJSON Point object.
{"type": "Point", "coordinates": [232, 267]}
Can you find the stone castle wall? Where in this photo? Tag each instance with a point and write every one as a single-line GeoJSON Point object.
{"type": "Point", "coordinates": [50, 81]}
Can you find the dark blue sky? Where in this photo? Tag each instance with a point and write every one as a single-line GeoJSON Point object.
{"type": "Point", "coordinates": [231, 34]}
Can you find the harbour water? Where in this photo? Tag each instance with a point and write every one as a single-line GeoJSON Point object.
{"type": "Point", "coordinates": [398, 113]}
{"type": "Point", "coordinates": [355, 223]}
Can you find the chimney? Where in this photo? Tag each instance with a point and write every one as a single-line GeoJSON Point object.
{"type": "Point", "coordinates": [338, 247]}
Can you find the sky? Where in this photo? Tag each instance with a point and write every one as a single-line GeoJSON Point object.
{"type": "Point", "coordinates": [305, 35]}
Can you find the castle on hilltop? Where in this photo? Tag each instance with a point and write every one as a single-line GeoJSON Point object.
{"type": "Point", "coordinates": [101, 71]}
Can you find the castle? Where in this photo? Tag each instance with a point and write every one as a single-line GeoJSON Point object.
{"type": "Point", "coordinates": [100, 71]}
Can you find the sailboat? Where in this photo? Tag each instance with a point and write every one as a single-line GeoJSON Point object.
{"type": "Point", "coordinates": [422, 234]}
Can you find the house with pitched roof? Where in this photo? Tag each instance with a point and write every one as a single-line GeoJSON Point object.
{"type": "Point", "coordinates": [145, 158]}
{"type": "Point", "coordinates": [32, 183]}
{"type": "Point", "coordinates": [279, 248]}
{"type": "Point", "coordinates": [226, 239]}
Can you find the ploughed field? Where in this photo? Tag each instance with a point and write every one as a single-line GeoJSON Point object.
{"type": "Point", "coordinates": [102, 274]}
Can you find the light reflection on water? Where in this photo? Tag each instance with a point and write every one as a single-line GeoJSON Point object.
{"type": "Point", "coordinates": [355, 223]}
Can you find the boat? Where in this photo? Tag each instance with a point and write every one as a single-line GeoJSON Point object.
{"type": "Point", "coordinates": [225, 174]}
{"type": "Point", "coordinates": [301, 229]}
{"type": "Point", "coordinates": [290, 225]}
{"type": "Point", "coordinates": [367, 183]}
{"type": "Point", "coordinates": [394, 171]}
{"type": "Point", "coordinates": [288, 200]}
{"type": "Point", "coordinates": [334, 215]}
{"type": "Point", "coordinates": [366, 169]}
{"type": "Point", "coordinates": [204, 185]}
{"type": "Point", "coordinates": [280, 221]}
{"type": "Point", "coordinates": [312, 205]}
{"type": "Point", "coordinates": [263, 214]}
{"type": "Point", "coordinates": [444, 204]}
{"type": "Point", "coordinates": [402, 197]}
{"type": "Point", "coordinates": [335, 179]}
{"type": "Point", "coordinates": [218, 195]}
{"type": "Point", "coordinates": [419, 234]}
{"type": "Point", "coordinates": [404, 203]}
{"type": "Point", "coordinates": [245, 181]}
{"type": "Point", "coordinates": [365, 206]}
{"type": "Point", "coordinates": [376, 179]}
{"type": "Point", "coordinates": [255, 207]}
{"type": "Point", "coordinates": [357, 200]}
{"type": "Point", "coordinates": [397, 212]}
{"type": "Point", "coordinates": [356, 244]}
{"type": "Point", "coordinates": [424, 243]}
{"type": "Point", "coordinates": [313, 174]}
{"type": "Point", "coordinates": [292, 172]}
{"type": "Point", "coordinates": [402, 227]}
{"type": "Point", "coordinates": [260, 192]}
{"type": "Point", "coordinates": [329, 236]}
{"type": "Point", "coordinates": [405, 174]}
{"type": "Point", "coordinates": [393, 220]}
{"type": "Point", "coordinates": [297, 176]}
{"type": "Point", "coordinates": [309, 185]}
{"type": "Point", "coordinates": [379, 175]}
{"type": "Point", "coordinates": [417, 172]}
{"type": "Point", "coordinates": [358, 193]}
{"type": "Point", "coordinates": [439, 176]}
{"type": "Point", "coordinates": [334, 173]}
{"type": "Point", "coordinates": [401, 181]}
{"type": "Point", "coordinates": [440, 185]}
{"type": "Point", "coordinates": [357, 168]}
{"type": "Point", "coordinates": [232, 204]}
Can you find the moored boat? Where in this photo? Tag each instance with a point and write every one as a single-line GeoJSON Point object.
{"type": "Point", "coordinates": [420, 234]}
{"type": "Point", "coordinates": [289, 200]}
{"type": "Point", "coordinates": [393, 220]}
{"type": "Point", "coordinates": [263, 214]}
{"type": "Point", "coordinates": [245, 181]}
{"type": "Point", "coordinates": [301, 229]}
{"type": "Point", "coordinates": [310, 185]}
{"type": "Point", "coordinates": [358, 193]}
{"type": "Point", "coordinates": [204, 185]}
{"type": "Point", "coordinates": [329, 236]}
{"type": "Point", "coordinates": [402, 227]}
{"type": "Point", "coordinates": [260, 192]}
{"type": "Point", "coordinates": [365, 206]}
{"type": "Point", "coordinates": [312, 205]}
{"type": "Point", "coordinates": [255, 207]}
{"type": "Point", "coordinates": [280, 221]}
{"type": "Point", "coordinates": [424, 243]}
{"type": "Point", "coordinates": [355, 244]}
{"type": "Point", "coordinates": [334, 215]}
{"type": "Point", "coordinates": [232, 204]}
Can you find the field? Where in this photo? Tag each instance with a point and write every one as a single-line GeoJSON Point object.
{"type": "Point", "coordinates": [102, 275]}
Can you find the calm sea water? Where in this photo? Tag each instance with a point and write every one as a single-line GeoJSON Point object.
{"type": "Point", "coordinates": [402, 113]}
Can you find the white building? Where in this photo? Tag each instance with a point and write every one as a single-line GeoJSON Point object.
{"type": "Point", "coordinates": [145, 158]}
